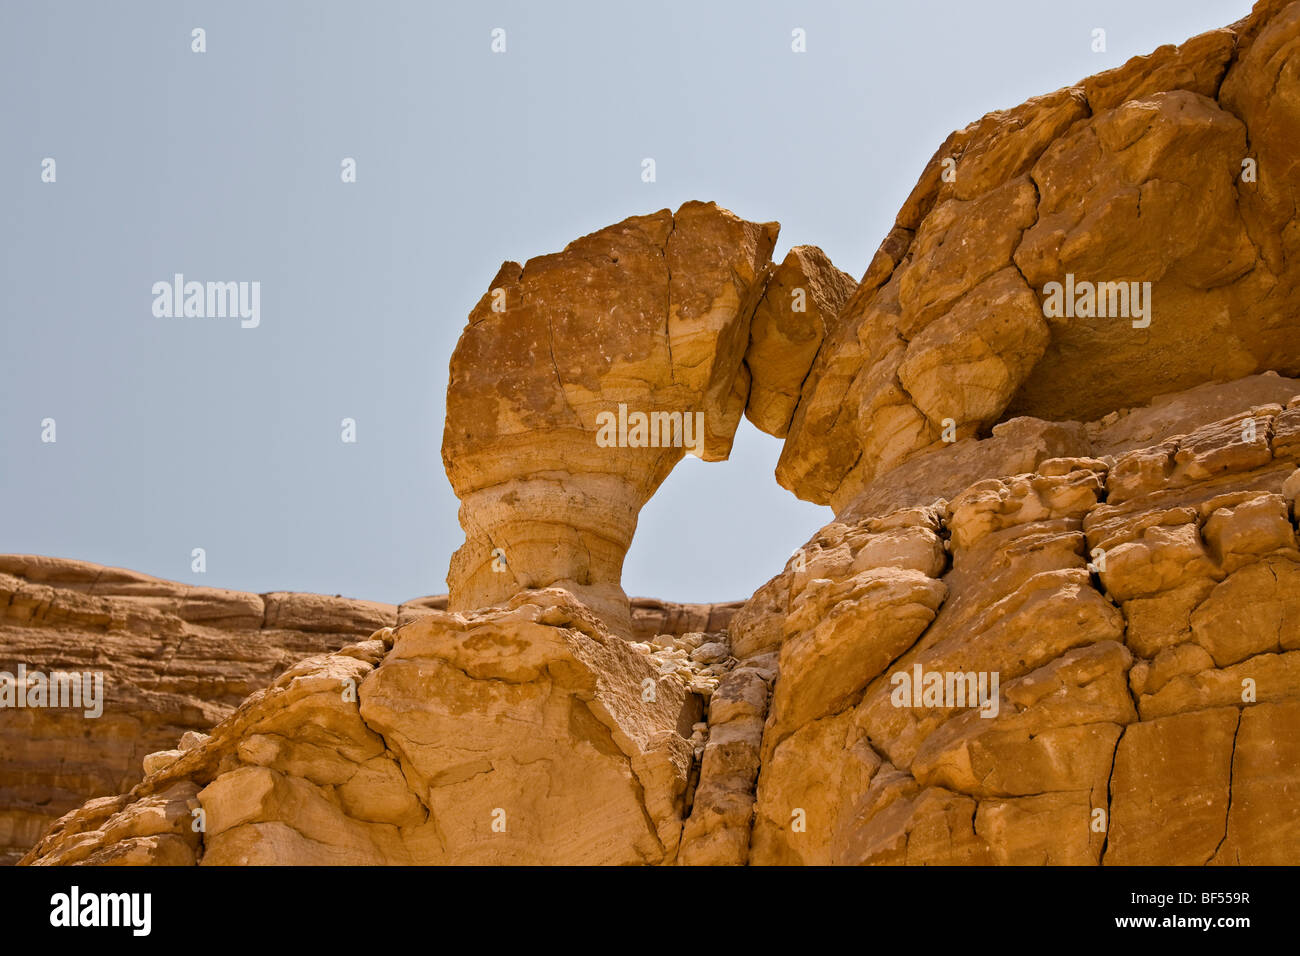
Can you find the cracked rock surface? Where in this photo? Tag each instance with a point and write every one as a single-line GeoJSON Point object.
{"type": "Point", "coordinates": [1142, 615]}
{"type": "Point", "coordinates": [525, 735]}
{"type": "Point", "coordinates": [651, 314]}
{"type": "Point", "coordinates": [1135, 175]}
{"type": "Point", "coordinates": [176, 660]}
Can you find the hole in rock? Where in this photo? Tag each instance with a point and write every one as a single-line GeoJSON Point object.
{"type": "Point", "coordinates": [715, 531]}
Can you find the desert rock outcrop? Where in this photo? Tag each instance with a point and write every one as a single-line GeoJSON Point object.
{"type": "Point", "coordinates": [524, 734]}
{"type": "Point", "coordinates": [677, 317]}
{"type": "Point", "coordinates": [646, 317]}
{"type": "Point", "coordinates": [1169, 171]}
{"type": "Point", "coordinates": [176, 660]}
{"type": "Point", "coordinates": [1140, 615]}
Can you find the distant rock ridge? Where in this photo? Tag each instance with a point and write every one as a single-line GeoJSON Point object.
{"type": "Point", "coordinates": [176, 659]}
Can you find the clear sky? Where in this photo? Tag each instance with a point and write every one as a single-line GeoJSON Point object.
{"type": "Point", "coordinates": [174, 434]}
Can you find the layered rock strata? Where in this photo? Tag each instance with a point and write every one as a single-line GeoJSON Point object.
{"type": "Point", "coordinates": [175, 660]}
{"type": "Point", "coordinates": [526, 734]}
{"type": "Point", "coordinates": [1138, 611]}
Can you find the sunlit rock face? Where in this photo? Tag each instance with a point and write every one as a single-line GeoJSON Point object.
{"type": "Point", "coordinates": [1124, 624]}
{"type": "Point", "coordinates": [1169, 177]}
{"type": "Point", "coordinates": [642, 326]}
{"type": "Point", "coordinates": [173, 661]}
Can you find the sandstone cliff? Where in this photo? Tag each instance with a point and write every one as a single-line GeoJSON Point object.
{"type": "Point", "coordinates": [1053, 621]}
{"type": "Point", "coordinates": [1140, 612]}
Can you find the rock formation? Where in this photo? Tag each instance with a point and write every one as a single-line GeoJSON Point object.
{"type": "Point", "coordinates": [1139, 611]}
{"type": "Point", "coordinates": [1150, 173]}
{"type": "Point", "coordinates": [650, 317]}
{"type": "Point", "coordinates": [176, 660]}
{"type": "Point", "coordinates": [521, 734]}
{"type": "Point", "coordinates": [1055, 620]}
{"type": "Point", "coordinates": [671, 316]}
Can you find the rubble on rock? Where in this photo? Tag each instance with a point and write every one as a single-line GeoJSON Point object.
{"type": "Point", "coordinates": [176, 659]}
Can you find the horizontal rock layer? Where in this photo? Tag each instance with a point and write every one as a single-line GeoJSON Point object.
{"type": "Point", "coordinates": [1053, 622]}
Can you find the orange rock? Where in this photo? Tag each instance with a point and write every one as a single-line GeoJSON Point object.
{"type": "Point", "coordinates": [649, 316]}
